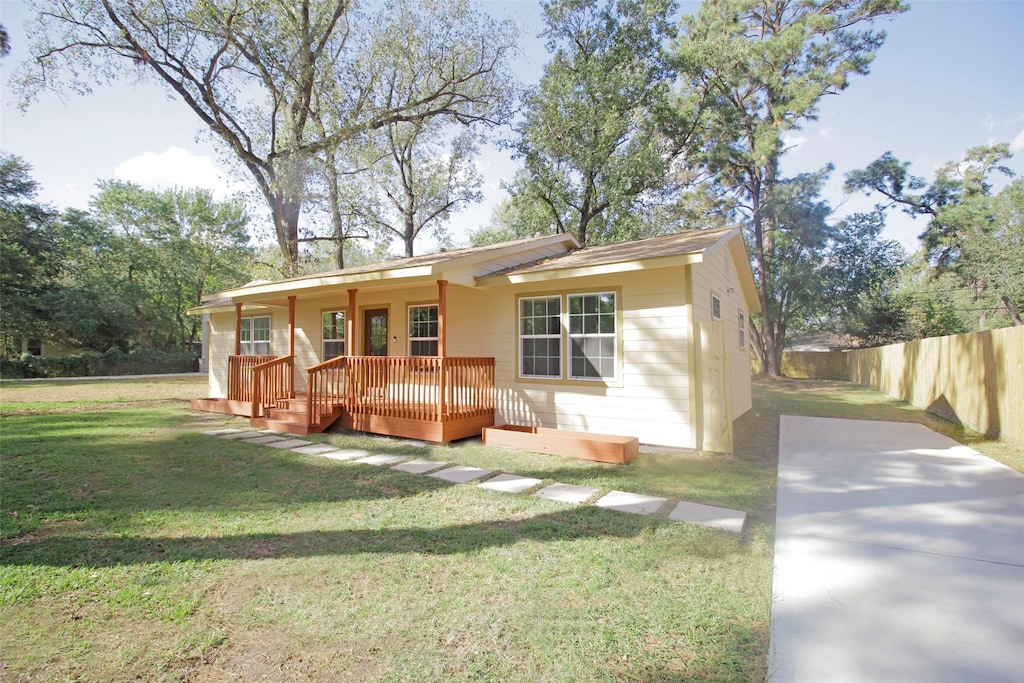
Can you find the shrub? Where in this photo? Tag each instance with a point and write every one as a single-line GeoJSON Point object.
{"type": "Point", "coordinates": [113, 362]}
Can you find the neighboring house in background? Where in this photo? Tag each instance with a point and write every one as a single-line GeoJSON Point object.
{"type": "Point", "coordinates": [646, 338]}
{"type": "Point", "coordinates": [47, 349]}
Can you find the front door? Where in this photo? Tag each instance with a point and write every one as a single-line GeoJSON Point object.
{"type": "Point", "coordinates": [375, 339]}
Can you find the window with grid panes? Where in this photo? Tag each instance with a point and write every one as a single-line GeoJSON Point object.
{"type": "Point", "coordinates": [333, 334]}
{"type": "Point", "coordinates": [255, 336]}
{"type": "Point", "coordinates": [592, 336]}
{"type": "Point", "coordinates": [540, 337]}
{"type": "Point", "coordinates": [423, 330]}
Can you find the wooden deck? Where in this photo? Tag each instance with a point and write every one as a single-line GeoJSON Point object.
{"type": "Point", "coordinates": [429, 398]}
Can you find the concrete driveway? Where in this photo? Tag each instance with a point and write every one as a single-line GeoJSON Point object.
{"type": "Point", "coordinates": [899, 556]}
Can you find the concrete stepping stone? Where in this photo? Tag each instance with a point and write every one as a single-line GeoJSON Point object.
{"type": "Point", "coordinates": [289, 443]}
{"type": "Point", "coordinates": [567, 493]}
{"type": "Point", "coordinates": [709, 515]}
{"type": "Point", "coordinates": [241, 435]}
{"type": "Point", "coordinates": [345, 454]}
{"type": "Point", "coordinates": [315, 449]}
{"type": "Point", "coordinates": [266, 439]}
{"type": "Point", "coordinates": [412, 443]}
{"type": "Point", "coordinates": [630, 502]}
{"type": "Point", "coordinates": [381, 459]}
{"type": "Point", "coordinates": [461, 474]}
{"type": "Point", "coordinates": [510, 483]}
{"type": "Point", "coordinates": [222, 432]}
{"type": "Point", "coordinates": [420, 466]}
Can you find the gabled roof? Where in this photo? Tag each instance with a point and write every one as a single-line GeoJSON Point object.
{"type": "Point", "coordinates": [460, 266]}
{"type": "Point", "coordinates": [537, 259]}
{"type": "Point", "coordinates": [663, 246]}
{"type": "Point", "coordinates": [663, 251]}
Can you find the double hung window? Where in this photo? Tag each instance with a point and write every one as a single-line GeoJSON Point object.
{"type": "Point", "coordinates": [255, 338]}
{"type": "Point", "coordinates": [423, 330]}
{"type": "Point", "coordinates": [588, 328]}
{"type": "Point", "coordinates": [333, 334]}
{"type": "Point", "coordinates": [540, 337]}
{"type": "Point", "coordinates": [592, 336]}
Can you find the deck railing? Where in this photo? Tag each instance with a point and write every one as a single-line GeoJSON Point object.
{"type": "Point", "coordinates": [325, 388]}
{"type": "Point", "coordinates": [272, 381]}
{"type": "Point", "coordinates": [411, 387]}
{"type": "Point", "coordinates": [240, 376]}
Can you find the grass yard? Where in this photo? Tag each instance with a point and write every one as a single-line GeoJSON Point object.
{"type": "Point", "coordinates": [132, 547]}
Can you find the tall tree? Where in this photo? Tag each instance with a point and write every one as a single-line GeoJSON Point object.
{"type": "Point", "coordinates": [415, 181]}
{"type": "Point", "coordinates": [600, 128]}
{"type": "Point", "coordinates": [249, 71]}
{"type": "Point", "coordinates": [970, 233]}
{"type": "Point", "coordinates": [766, 64]}
{"type": "Point", "coordinates": [29, 254]}
{"type": "Point", "coordinates": [167, 248]}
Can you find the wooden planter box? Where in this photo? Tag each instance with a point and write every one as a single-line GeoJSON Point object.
{"type": "Point", "coordinates": [599, 447]}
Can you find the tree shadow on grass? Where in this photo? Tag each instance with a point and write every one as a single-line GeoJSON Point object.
{"type": "Point", "coordinates": [61, 550]}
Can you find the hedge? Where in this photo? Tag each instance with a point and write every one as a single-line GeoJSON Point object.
{"type": "Point", "coordinates": [113, 362]}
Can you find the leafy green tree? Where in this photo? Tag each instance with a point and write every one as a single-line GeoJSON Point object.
{"type": "Point", "coordinates": [971, 234]}
{"type": "Point", "coordinates": [765, 65]}
{"type": "Point", "coordinates": [165, 249]}
{"type": "Point", "coordinates": [250, 71]}
{"type": "Point", "coordinates": [600, 130]}
{"type": "Point", "coordinates": [29, 254]}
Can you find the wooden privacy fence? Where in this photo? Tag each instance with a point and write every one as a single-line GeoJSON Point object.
{"type": "Point", "coordinates": [976, 379]}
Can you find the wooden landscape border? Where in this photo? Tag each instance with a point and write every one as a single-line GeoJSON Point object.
{"type": "Point", "coordinates": [620, 450]}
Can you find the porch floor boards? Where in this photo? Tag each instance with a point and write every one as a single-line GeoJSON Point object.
{"type": "Point", "coordinates": [366, 416]}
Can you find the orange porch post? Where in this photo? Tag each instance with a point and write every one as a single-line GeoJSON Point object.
{"type": "Point", "coordinates": [350, 324]}
{"type": "Point", "coordinates": [238, 329]}
{"type": "Point", "coordinates": [442, 347]}
{"type": "Point", "coordinates": [291, 340]}
{"type": "Point", "coordinates": [442, 315]}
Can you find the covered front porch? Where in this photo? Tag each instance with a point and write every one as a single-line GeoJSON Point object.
{"type": "Point", "coordinates": [435, 398]}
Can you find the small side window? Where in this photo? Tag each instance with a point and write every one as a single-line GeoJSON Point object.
{"type": "Point", "coordinates": [716, 307]}
{"type": "Point", "coordinates": [742, 322]}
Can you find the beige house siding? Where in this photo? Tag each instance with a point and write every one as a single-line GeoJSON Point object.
{"type": "Point", "coordinates": [650, 398]}
{"type": "Point", "coordinates": [717, 274]}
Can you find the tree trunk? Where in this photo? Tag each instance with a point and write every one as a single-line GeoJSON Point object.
{"type": "Point", "coordinates": [286, 224]}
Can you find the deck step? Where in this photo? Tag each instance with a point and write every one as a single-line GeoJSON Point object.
{"type": "Point", "coordinates": [293, 420]}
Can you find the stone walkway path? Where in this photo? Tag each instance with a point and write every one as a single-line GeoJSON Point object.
{"type": "Point", "coordinates": [503, 482]}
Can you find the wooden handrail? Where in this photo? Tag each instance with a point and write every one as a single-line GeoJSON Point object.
{"type": "Point", "coordinates": [272, 380]}
{"type": "Point", "coordinates": [240, 376]}
{"type": "Point", "coordinates": [325, 388]}
{"type": "Point", "coordinates": [426, 388]}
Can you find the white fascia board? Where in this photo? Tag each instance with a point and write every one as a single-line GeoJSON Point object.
{"type": "Point", "coordinates": [289, 287]}
{"type": "Point", "coordinates": [586, 271]}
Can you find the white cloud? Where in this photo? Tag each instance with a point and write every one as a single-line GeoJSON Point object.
{"type": "Point", "coordinates": [177, 167]}
{"type": "Point", "coordinates": [1018, 142]}
{"type": "Point", "coordinates": [793, 141]}
{"type": "Point", "coordinates": [825, 133]}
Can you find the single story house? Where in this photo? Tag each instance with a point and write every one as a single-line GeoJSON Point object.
{"type": "Point", "coordinates": [647, 338]}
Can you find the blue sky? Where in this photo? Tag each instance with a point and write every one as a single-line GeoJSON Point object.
{"type": "Point", "coordinates": [950, 76]}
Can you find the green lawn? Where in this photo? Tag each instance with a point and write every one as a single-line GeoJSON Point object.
{"type": "Point", "coordinates": [136, 548]}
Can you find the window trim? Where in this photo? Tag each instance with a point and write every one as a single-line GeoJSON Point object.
{"type": "Point", "coordinates": [520, 337]}
{"type": "Point", "coordinates": [742, 323]}
{"type": "Point", "coordinates": [564, 379]}
{"type": "Point", "coordinates": [343, 328]}
{"type": "Point", "coordinates": [252, 342]}
{"type": "Point", "coordinates": [409, 335]}
{"type": "Point", "coordinates": [597, 335]}
{"type": "Point", "coordinates": [716, 302]}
